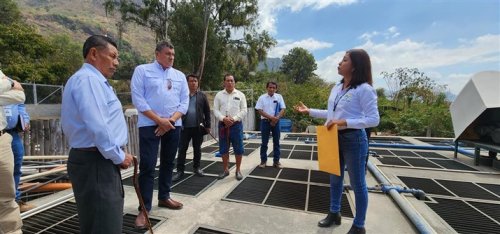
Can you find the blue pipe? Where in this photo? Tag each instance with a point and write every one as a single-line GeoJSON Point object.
{"type": "Point", "coordinates": [385, 188]}
{"type": "Point", "coordinates": [423, 147]}
{"type": "Point", "coordinates": [417, 220]}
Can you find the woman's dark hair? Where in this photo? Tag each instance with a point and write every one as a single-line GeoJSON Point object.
{"type": "Point", "coordinates": [271, 82]}
{"type": "Point", "coordinates": [98, 41]}
{"type": "Point", "coordinates": [362, 66]}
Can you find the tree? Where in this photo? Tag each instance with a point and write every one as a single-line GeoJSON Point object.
{"type": "Point", "coordinates": [9, 12]}
{"type": "Point", "coordinates": [202, 34]}
{"type": "Point", "coordinates": [299, 65]}
{"type": "Point", "coordinates": [418, 106]}
{"type": "Point", "coordinates": [410, 84]}
{"type": "Point", "coordinates": [151, 13]}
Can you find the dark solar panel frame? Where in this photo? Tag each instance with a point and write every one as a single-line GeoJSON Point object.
{"type": "Point", "coordinates": [290, 189]}
{"type": "Point", "coordinates": [462, 217]}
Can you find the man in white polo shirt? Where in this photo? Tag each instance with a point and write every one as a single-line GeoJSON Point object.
{"type": "Point", "coordinates": [271, 108]}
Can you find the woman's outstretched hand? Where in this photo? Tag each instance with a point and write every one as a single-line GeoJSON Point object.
{"type": "Point", "coordinates": [301, 108]}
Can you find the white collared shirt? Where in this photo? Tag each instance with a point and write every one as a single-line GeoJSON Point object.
{"type": "Point", "coordinates": [357, 106]}
{"type": "Point", "coordinates": [271, 105]}
{"type": "Point", "coordinates": [232, 104]}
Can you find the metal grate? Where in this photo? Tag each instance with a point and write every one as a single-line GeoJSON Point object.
{"type": "Point", "coordinates": [319, 201]}
{"type": "Point", "coordinates": [468, 189]}
{"type": "Point", "coordinates": [248, 151]}
{"type": "Point", "coordinates": [438, 142]}
{"type": "Point", "coordinates": [202, 230]}
{"type": "Point", "coordinates": [203, 164]}
{"type": "Point", "coordinates": [63, 219]}
{"type": "Point", "coordinates": [320, 177]}
{"type": "Point", "coordinates": [251, 190]}
{"type": "Point", "coordinates": [209, 149]}
{"type": "Point", "coordinates": [404, 153]}
{"type": "Point", "coordinates": [382, 152]}
{"type": "Point", "coordinates": [191, 184]}
{"type": "Point", "coordinates": [252, 145]}
{"type": "Point", "coordinates": [301, 137]}
{"type": "Point", "coordinates": [451, 164]}
{"type": "Point", "coordinates": [494, 188]}
{"type": "Point", "coordinates": [216, 168]}
{"type": "Point", "coordinates": [420, 162]}
{"type": "Point", "coordinates": [269, 172]}
{"type": "Point", "coordinates": [306, 155]}
{"type": "Point", "coordinates": [289, 195]}
{"type": "Point", "coordinates": [315, 156]}
{"type": "Point", "coordinates": [492, 210]}
{"type": "Point", "coordinates": [427, 154]}
{"type": "Point", "coordinates": [284, 146]}
{"type": "Point", "coordinates": [292, 195]}
{"type": "Point", "coordinates": [303, 147]}
{"type": "Point", "coordinates": [427, 185]}
{"type": "Point", "coordinates": [393, 161]}
{"type": "Point", "coordinates": [194, 185]}
{"type": "Point", "coordinates": [294, 174]}
{"type": "Point", "coordinates": [462, 217]}
{"type": "Point", "coordinates": [284, 154]}
{"type": "Point", "coordinates": [389, 140]}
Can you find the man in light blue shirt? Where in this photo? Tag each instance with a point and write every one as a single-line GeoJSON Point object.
{"type": "Point", "coordinates": [93, 122]}
{"type": "Point", "coordinates": [18, 120]}
{"type": "Point", "coordinates": [161, 95]}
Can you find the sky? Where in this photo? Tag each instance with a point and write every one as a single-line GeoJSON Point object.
{"type": "Point", "coordinates": [447, 40]}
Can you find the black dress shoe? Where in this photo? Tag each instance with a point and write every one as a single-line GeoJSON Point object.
{"type": "Point", "coordinates": [223, 175]}
{"type": "Point", "coordinates": [331, 218]}
{"type": "Point", "coordinates": [239, 176]}
{"type": "Point", "coordinates": [356, 230]}
{"type": "Point", "coordinates": [198, 172]}
{"type": "Point", "coordinates": [177, 176]}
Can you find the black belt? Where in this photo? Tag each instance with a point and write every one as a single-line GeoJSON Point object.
{"type": "Point", "coordinates": [3, 132]}
{"type": "Point", "coordinates": [343, 131]}
{"type": "Point", "coordinates": [88, 149]}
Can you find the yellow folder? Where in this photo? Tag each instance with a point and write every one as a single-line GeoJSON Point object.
{"type": "Point", "coordinates": [328, 150]}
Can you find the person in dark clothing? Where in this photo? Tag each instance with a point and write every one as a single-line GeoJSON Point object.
{"type": "Point", "coordinates": [195, 124]}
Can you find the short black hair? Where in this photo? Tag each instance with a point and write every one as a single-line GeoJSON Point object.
{"type": "Point", "coordinates": [229, 74]}
{"type": "Point", "coordinates": [163, 44]}
{"type": "Point", "coordinates": [192, 75]}
{"type": "Point", "coordinates": [271, 82]}
{"type": "Point", "coordinates": [98, 41]}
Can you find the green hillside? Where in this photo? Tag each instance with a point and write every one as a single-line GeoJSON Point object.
{"type": "Point", "coordinates": [79, 19]}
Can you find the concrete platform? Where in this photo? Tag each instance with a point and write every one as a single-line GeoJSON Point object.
{"type": "Point", "coordinates": [210, 209]}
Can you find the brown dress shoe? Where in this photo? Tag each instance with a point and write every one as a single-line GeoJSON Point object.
{"type": "Point", "coordinates": [170, 203]}
{"type": "Point", "coordinates": [140, 221]}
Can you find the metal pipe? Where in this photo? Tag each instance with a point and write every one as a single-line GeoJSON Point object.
{"type": "Point", "coordinates": [58, 157]}
{"type": "Point", "coordinates": [410, 212]}
{"type": "Point", "coordinates": [423, 147]}
{"type": "Point", "coordinates": [42, 174]}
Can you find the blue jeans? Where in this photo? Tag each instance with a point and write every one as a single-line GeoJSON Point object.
{"type": "Point", "coordinates": [235, 138]}
{"type": "Point", "coordinates": [148, 147]}
{"type": "Point", "coordinates": [265, 129]}
{"type": "Point", "coordinates": [353, 149]}
{"type": "Point", "coordinates": [18, 150]}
